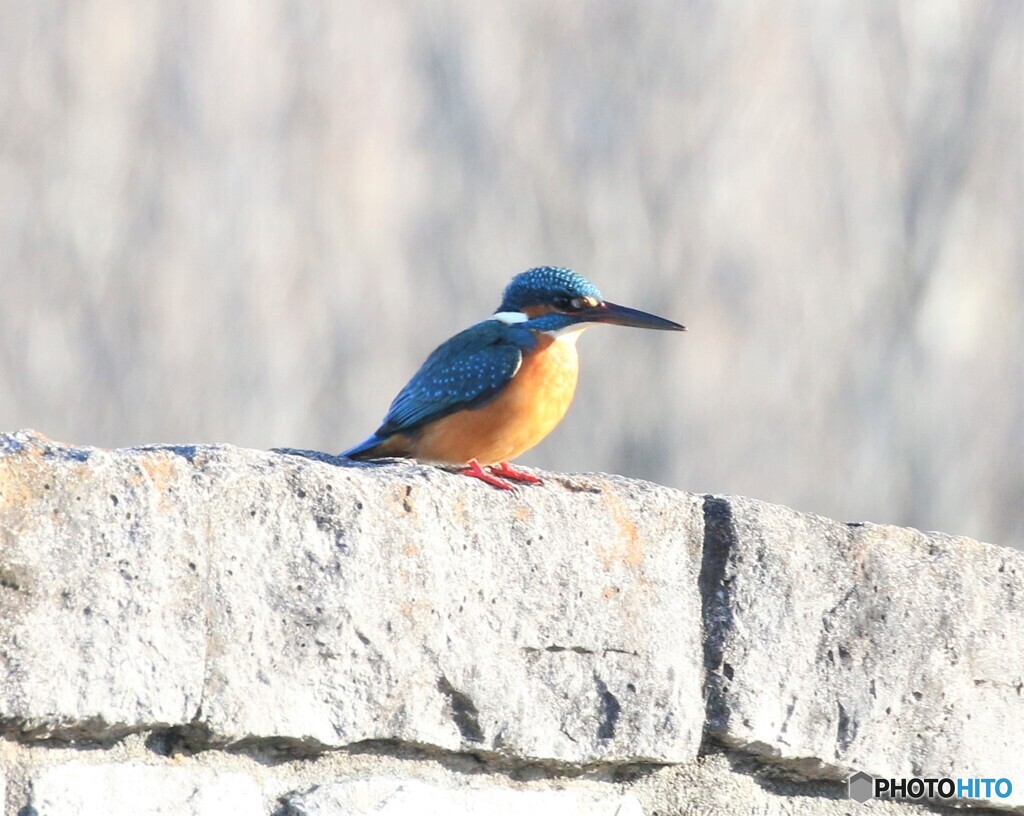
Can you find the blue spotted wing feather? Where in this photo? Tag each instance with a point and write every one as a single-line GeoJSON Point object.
{"type": "Point", "coordinates": [467, 371]}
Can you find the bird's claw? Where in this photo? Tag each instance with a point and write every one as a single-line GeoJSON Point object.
{"type": "Point", "coordinates": [506, 471]}
{"type": "Point", "coordinates": [477, 472]}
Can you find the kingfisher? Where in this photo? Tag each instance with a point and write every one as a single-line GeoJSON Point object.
{"type": "Point", "coordinates": [496, 389]}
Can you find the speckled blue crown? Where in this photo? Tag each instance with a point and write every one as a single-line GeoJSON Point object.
{"type": "Point", "coordinates": [543, 283]}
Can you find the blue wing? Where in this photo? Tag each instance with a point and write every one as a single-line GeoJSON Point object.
{"type": "Point", "coordinates": [467, 371]}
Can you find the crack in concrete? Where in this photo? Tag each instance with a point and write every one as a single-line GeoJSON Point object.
{"type": "Point", "coordinates": [464, 712]}
{"type": "Point", "coordinates": [610, 710]}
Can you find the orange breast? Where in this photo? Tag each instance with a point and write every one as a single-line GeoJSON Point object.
{"type": "Point", "coordinates": [526, 411]}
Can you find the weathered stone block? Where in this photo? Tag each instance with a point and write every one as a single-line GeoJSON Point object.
{"type": "Point", "coordinates": [101, 590]}
{"type": "Point", "coordinates": [372, 604]}
{"type": "Point", "coordinates": [835, 647]}
{"type": "Point", "coordinates": [254, 595]}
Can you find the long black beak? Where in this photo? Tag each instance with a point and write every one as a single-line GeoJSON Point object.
{"type": "Point", "coordinates": [624, 316]}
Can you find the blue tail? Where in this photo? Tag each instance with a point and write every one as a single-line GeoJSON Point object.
{"type": "Point", "coordinates": [364, 446]}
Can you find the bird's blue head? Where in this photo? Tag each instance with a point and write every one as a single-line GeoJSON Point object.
{"type": "Point", "coordinates": [553, 299]}
{"type": "Point", "coordinates": [546, 289]}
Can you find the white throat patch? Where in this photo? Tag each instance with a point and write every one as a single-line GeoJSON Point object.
{"type": "Point", "coordinates": [569, 334]}
{"type": "Point", "coordinates": [510, 318]}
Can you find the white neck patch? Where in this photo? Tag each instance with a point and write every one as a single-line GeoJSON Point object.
{"type": "Point", "coordinates": [569, 334]}
{"type": "Point", "coordinates": [510, 318]}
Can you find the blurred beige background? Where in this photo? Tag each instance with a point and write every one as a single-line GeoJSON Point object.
{"type": "Point", "coordinates": [250, 222]}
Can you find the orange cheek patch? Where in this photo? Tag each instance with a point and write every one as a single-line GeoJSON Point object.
{"type": "Point", "coordinates": [537, 311]}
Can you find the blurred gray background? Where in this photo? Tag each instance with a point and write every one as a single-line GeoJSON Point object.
{"type": "Point", "coordinates": [249, 222]}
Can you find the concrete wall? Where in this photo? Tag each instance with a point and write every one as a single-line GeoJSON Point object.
{"type": "Point", "coordinates": [213, 630]}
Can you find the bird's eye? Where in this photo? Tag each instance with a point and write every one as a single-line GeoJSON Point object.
{"type": "Point", "coordinates": [561, 302]}
{"type": "Point", "coordinates": [581, 303]}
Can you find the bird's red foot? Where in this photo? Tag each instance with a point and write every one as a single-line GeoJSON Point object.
{"type": "Point", "coordinates": [473, 469]}
{"type": "Point", "coordinates": [506, 471]}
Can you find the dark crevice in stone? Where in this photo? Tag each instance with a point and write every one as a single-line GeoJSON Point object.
{"type": "Point", "coordinates": [86, 734]}
{"type": "Point", "coordinates": [276, 750]}
{"type": "Point", "coordinates": [808, 778]}
{"type": "Point", "coordinates": [196, 738]}
{"type": "Point", "coordinates": [67, 453]}
{"type": "Point", "coordinates": [9, 580]}
{"type": "Point", "coordinates": [719, 538]}
{"type": "Point", "coordinates": [783, 779]}
{"type": "Point", "coordinates": [846, 730]}
{"type": "Point", "coordinates": [464, 713]}
{"type": "Point", "coordinates": [516, 768]}
{"type": "Point", "coordinates": [577, 649]}
{"type": "Point", "coordinates": [610, 710]}
{"type": "Point", "coordinates": [181, 739]}
{"type": "Point", "coordinates": [186, 452]}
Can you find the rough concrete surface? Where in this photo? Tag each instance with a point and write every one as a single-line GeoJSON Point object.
{"type": "Point", "coordinates": [200, 629]}
{"type": "Point", "coordinates": [724, 782]}
{"type": "Point", "coordinates": [101, 593]}
{"type": "Point", "coordinates": [264, 596]}
{"type": "Point", "coordinates": [75, 789]}
{"type": "Point", "coordinates": [388, 796]}
{"type": "Point", "coordinates": [836, 647]}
